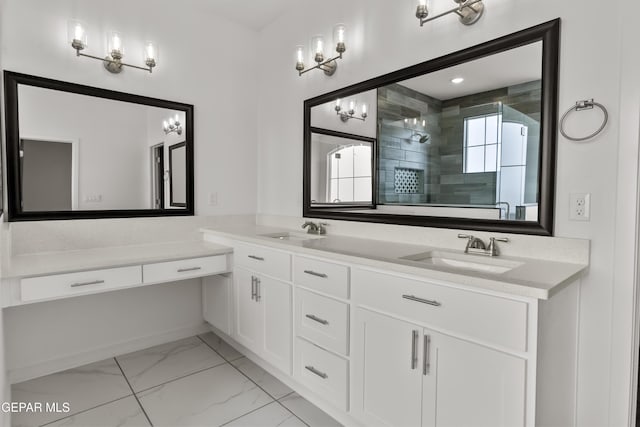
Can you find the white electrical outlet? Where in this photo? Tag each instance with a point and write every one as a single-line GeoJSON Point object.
{"type": "Point", "coordinates": [579, 206]}
{"type": "Point", "coordinates": [213, 199]}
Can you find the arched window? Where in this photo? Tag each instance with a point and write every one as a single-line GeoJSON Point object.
{"type": "Point", "coordinates": [349, 174]}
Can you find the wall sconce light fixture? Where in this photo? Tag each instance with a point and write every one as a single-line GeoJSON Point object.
{"type": "Point", "coordinates": [350, 113]}
{"type": "Point", "coordinates": [172, 125]}
{"type": "Point", "coordinates": [317, 51]}
{"type": "Point", "coordinates": [468, 11]}
{"type": "Point", "coordinates": [113, 61]}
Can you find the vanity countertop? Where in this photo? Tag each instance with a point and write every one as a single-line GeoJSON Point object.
{"type": "Point", "coordinates": [530, 277]}
{"type": "Point", "coordinates": [46, 263]}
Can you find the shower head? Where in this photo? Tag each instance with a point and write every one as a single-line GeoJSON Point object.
{"type": "Point", "coordinates": [422, 138]}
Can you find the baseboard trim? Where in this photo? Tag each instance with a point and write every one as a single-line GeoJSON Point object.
{"type": "Point", "coordinates": [70, 361]}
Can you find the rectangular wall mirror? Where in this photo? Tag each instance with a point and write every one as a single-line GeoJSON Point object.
{"type": "Point", "coordinates": [462, 141]}
{"type": "Point", "coordinates": [75, 151]}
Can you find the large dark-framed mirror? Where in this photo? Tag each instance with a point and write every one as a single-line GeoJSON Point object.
{"type": "Point", "coordinates": [76, 152]}
{"type": "Point", "coordinates": [465, 141]}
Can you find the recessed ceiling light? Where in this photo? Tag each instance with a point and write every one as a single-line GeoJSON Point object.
{"type": "Point", "coordinates": [457, 80]}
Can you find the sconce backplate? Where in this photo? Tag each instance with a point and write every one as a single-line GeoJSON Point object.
{"type": "Point", "coordinates": [330, 68]}
{"type": "Point", "coordinates": [469, 15]}
{"type": "Point", "coordinates": [112, 66]}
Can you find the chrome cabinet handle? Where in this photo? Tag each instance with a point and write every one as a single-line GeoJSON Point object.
{"type": "Point", "coordinates": [253, 287]}
{"type": "Point", "coordinates": [313, 273]}
{"type": "Point", "coordinates": [315, 371]}
{"type": "Point", "coordinates": [414, 349]}
{"type": "Point", "coordinates": [256, 257]}
{"type": "Point", "coordinates": [184, 270]}
{"type": "Point", "coordinates": [316, 319]}
{"type": "Point", "coordinates": [258, 296]}
{"type": "Point", "coordinates": [426, 360]}
{"type": "Point", "coordinates": [78, 285]}
{"type": "Point", "coordinates": [422, 300]}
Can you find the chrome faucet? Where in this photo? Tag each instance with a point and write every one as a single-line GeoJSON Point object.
{"type": "Point", "coordinates": [477, 246]}
{"type": "Point", "coordinates": [314, 228]}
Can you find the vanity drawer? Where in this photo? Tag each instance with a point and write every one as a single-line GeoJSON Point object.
{"type": "Point", "coordinates": [324, 373]}
{"type": "Point", "coordinates": [478, 316]}
{"type": "Point", "coordinates": [322, 276]}
{"type": "Point", "coordinates": [263, 260]}
{"type": "Point", "coordinates": [323, 320]}
{"type": "Point", "coordinates": [184, 269]}
{"type": "Point", "coordinates": [69, 284]}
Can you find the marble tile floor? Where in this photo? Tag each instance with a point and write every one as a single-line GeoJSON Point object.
{"type": "Point", "coordinates": [198, 381]}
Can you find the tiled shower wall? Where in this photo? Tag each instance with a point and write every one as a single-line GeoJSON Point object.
{"type": "Point", "coordinates": [441, 160]}
{"type": "Point", "coordinates": [398, 150]}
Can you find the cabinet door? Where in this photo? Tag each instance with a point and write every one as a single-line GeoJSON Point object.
{"type": "Point", "coordinates": [275, 297]}
{"type": "Point", "coordinates": [249, 311]}
{"type": "Point", "coordinates": [472, 385]}
{"type": "Point", "coordinates": [387, 371]}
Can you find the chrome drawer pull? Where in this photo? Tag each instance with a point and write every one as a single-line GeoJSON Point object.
{"type": "Point", "coordinates": [313, 273]}
{"type": "Point", "coordinates": [184, 270]}
{"type": "Point", "coordinates": [258, 258]}
{"type": "Point", "coordinates": [315, 371]}
{"type": "Point", "coordinates": [422, 300]}
{"type": "Point", "coordinates": [316, 319]}
{"type": "Point", "coordinates": [95, 282]}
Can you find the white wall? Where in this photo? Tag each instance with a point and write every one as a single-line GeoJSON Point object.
{"type": "Point", "coordinates": [204, 60]}
{"type": "Point", "coordinates": [385, 36]}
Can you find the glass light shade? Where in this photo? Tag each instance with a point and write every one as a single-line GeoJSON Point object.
{"type": "Point", "coordinates": [114, 44]}
{"type": "Point", "coordinates": [299, 57]}
{"type": "Point", "coordinates": [422, 9]}
{"type": "Point", "coordinates": [364, 110]}
{"type": "Point", "coordinates": [339, 37]}
{"type": "Point", "coordinates": [352, 107]}
{"type": "Point", "coordinates": [151, 53]}
{"type": "Point", "coordinates": [317, 48]}
{"type": "Point", "coordinates": [165, 125]}
{"type": "Point", "coordinates": [77, 34]}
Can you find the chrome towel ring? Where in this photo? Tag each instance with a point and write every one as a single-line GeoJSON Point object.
{"type": "Point", "coordinates": [586, 104]}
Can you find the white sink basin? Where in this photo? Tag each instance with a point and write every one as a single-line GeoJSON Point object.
{"type": "Point", "coordinates": [463, 262]}
{"type": "Point", "coordinates": [291, 236]}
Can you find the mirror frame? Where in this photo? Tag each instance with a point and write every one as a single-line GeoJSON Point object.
{"type": "Point", "coordinates": [14, 191]}
{"type": "Point", "coordinates": [549, 34]}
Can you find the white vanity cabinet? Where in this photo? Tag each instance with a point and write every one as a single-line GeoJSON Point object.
{"type": "Point", "coordinates": [408, 375]}
{"type": "Point", "coordinates": [430, 355]}
{"type": "Point", "coordinates": [263, 304]}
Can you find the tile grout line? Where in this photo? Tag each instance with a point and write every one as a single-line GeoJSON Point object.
{"type": "Point", "coordinates": [257, 385]}
{"type": "Point", "coordinates": [243, 415]}
{"type": "Point", "coordinates": [294, 414]}
{"type": "Point", "coordinates": [134, 393]}
{"type": "Point", "coordinates": [181, 377]}
{"type": "Point", "coordinates": [218, 353]}
{"type": "Point", "coordinates": [85, 410]}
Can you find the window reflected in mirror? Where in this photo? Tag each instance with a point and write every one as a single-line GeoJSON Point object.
{"type": "Point", "coordinates": [342, 170]}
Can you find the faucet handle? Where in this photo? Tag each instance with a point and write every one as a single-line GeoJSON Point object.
{"type": "Point", "coordinates": [321, 227]}
{"type": "Point", "coordinates": [493, 248]}
{"type": "Point", "coordinates": [499, 239]}
{"type": "Point", "coordinates": [465, 236]}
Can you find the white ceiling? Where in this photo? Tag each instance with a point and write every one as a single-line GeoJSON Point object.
{"type": "Point", "coordinates": [255, 14]}
{"type": "Point", "coordinates": [515, 66]}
